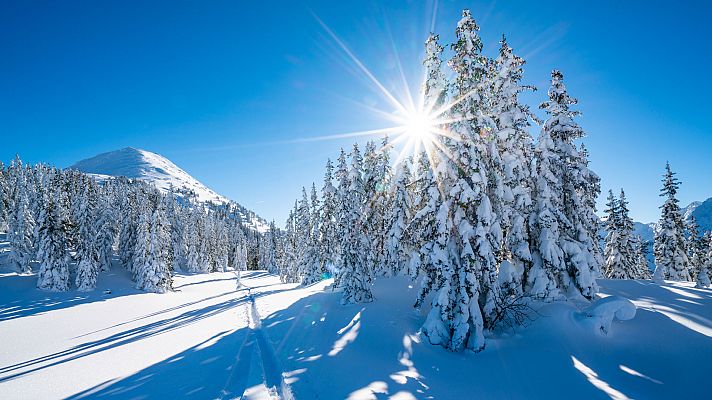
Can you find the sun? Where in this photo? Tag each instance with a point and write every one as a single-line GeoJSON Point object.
{"type": "Point", "coordinates": [419, 126]}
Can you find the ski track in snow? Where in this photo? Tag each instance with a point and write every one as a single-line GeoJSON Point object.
{"type": "Point", "coordinates": [243, 372]}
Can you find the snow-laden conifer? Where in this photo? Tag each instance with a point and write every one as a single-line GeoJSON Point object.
{"type": "Point", "coordinates": [671, 261]}
{"type": "Point", "coordinates": [52, 252]}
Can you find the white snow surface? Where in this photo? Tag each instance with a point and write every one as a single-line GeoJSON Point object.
{"type": "Point", "coordinates": [264, 339]}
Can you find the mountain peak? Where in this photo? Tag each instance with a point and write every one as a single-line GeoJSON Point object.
{"type": "Point", "coordinates": [142, 164]}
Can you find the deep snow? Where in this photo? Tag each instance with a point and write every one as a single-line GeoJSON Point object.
{"type": "Point", "coordinates": [213, 339]}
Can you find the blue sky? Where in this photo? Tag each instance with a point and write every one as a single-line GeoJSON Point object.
{"type": "Point", "coordinates": [221, 87]}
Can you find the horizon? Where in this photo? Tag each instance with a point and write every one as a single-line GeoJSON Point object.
{"type": "Point", "coordinates": [182, 83]}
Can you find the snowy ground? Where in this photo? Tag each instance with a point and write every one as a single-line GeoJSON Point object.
{"type": "Point", "coordinates": [213, 339]}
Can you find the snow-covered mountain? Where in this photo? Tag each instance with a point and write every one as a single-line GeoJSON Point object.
{"type": "Point", "coordinates": [153, 168]}
{"type": "Point", "coordinates": [145, 165]}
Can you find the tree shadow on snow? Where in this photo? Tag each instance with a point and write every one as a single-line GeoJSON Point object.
{"type": "Point", "coordinates": [20, 297]}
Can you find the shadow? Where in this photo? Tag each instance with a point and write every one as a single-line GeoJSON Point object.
{"type": "Point", "coordinates": [19, 296]}
{"type": "Point", "coordinates": [200, 372]}
{"type": "Point", "coordinates": [327, 350]}
{"type": "Point", "coordinates": [117, 340]}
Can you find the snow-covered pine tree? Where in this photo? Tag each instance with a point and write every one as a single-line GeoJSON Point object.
{"type": "Point", "coordinates": [327, 226]}
{"type": "Point", "coordinates": [315, 240]}
{"type": "Point", "coordinates": [106, 226]}
{"type": "Point", "coordinates": [52, 253]}
{"type": "Point", "coordinates": [564, 263]}
{"type": "Point", "coordinates": [516, 152]}
{"type": "Point", "coordinates": [422, 231]}
{"type": "Point", "coordinates": [128, 214]}
{"type": "Point", "coordinates": [342, 213]}
{"type": "Point", "coordinates": [398, 215]}
{"type": "Point", "coordinates": [642, 271]}
{"type": "Point", "coordinates": [696, 248]}
{"type": "Point", "coordinates": [703, 275]}
{"type": "Point", "coordinates": [270, 238]}
{"type": "Point", "coordinates": [379, 205]}
{"type": "Point", "coordinates": [289, 269]}
{"type": "Point", "coordinates": [370, 215]}
{"type": "Point", "coordinates": [307, 245]}
{"type": "Point", "coordinates": [611, 252]}
{"type": "Point", "coordinates": [671, 260]}
{"type": "Point", "coordinates": [21, 223]}
{"type": "Point", "coordinates": [589, 188]}
{"type": "Point", "coordinates": [621, 255]}
{"type": "Point", "coordinates": [87, 244]}
{"type": "Point", "coordinates": [355, 275]}
{"type": "Point", "coordinates": [176, 216]}
{"type": "Point", "coordinates": [153, 246]}
{"type": "Point", "coordinates": [4, 197]}
{"type": "Point", "coordinates": [467, 234]}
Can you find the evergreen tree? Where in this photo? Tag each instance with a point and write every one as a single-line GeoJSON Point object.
{"type": "Point", "coordinates": [152, 248]}
{"type": "Point", "coordinates": [435, 85]}
{"type": "Point", "coordinates": [343, 213]}
{"type": "Point", "coordinates": [128, 225]}
{"type": "Point", "coordinates": [106, 228]}
{"type": "Point", "coordinates": [515, 148]}
{"type": "Point", "coordinates": [21, 223]}
{"type": "Point", "coordinates": [52, 254]}
{"type": "Point", "coordinates": [87, 244]}
{"type": "Point", "coordinates": [642, 271]}
{"type": "Point", "coordinates": [4, 196]}
{"type": "Point", "coordinates": [621, 255]}
{"type": "Point", "coordinates": [398, 215]}
{"type": "Point", "coordinates": [671, 260]}
{"type": "Point", "coordinates": [328, 250]}
{"type": "Point", "coordinates": [696, 249]}
{"type": "Point", "coordinates": [564, 262]}
{"type": "Point", "coordinates": [270, 239]}
{"type": "Point", "coordinates": [355, 275]}
{"type": "Point", "coordinates": [703, 275]}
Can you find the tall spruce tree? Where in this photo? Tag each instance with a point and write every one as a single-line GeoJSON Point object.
{"type": "Point", "coordinates": [564, 262]}
{"type": "Point", "coordinates": [355, 273]}
{"type": "Point", "coordinates": [87, 245]}
{"type": "Point", "coordinates": [328, 250]}
{"type": "Point", "coordinates": [21, 223]}
{"type": "Point", "coordinates": [52, 252]}
{"type": "Point", "coordinates": [696, 248]}
{"type": "Point", "coordinates": [515, 148]}
{"type": "Point", "coordinates": [398, 215]}
{"type": "Point", "coordinates": [671, 261]}
{"type": "Point", "coordinates": [703, 275]}
{"type": "Point", "coordinates": [621, 255]}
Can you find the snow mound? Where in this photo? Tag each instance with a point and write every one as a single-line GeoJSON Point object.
{"type": "Point", "coordinates": [600, 313]}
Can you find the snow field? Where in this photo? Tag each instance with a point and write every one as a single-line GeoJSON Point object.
{"type": "Point", "coordinates": [264, 339]}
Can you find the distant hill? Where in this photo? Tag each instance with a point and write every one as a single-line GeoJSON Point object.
{"type": "Point", "coordinates": [154, 168]}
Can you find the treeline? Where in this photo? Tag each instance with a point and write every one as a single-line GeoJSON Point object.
{"type": "Point", "coordinates": [484, 218]}
{"type": "Point", "coordinates": [68, 227]}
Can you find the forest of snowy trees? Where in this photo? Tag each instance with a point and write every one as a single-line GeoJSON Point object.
{"type": "Point", "coordinates": [485, 218]}
{"type": "Point", "coordinates": [67, 227]}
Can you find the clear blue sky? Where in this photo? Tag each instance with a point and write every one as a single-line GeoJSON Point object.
{"type": "Point", "coordinates": [218, 86]}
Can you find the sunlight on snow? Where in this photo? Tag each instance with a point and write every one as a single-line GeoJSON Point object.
{"type": "Point", "coordinates": [369, 392]}
{"type": "Point", "coordinates": [597, 382]}
{"type": "Point", "coordinates": [638, 374]}
{"type": "Point", "coordinates": [349, 334]}
{"type": "Point", "coordinates": [679, 317]}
